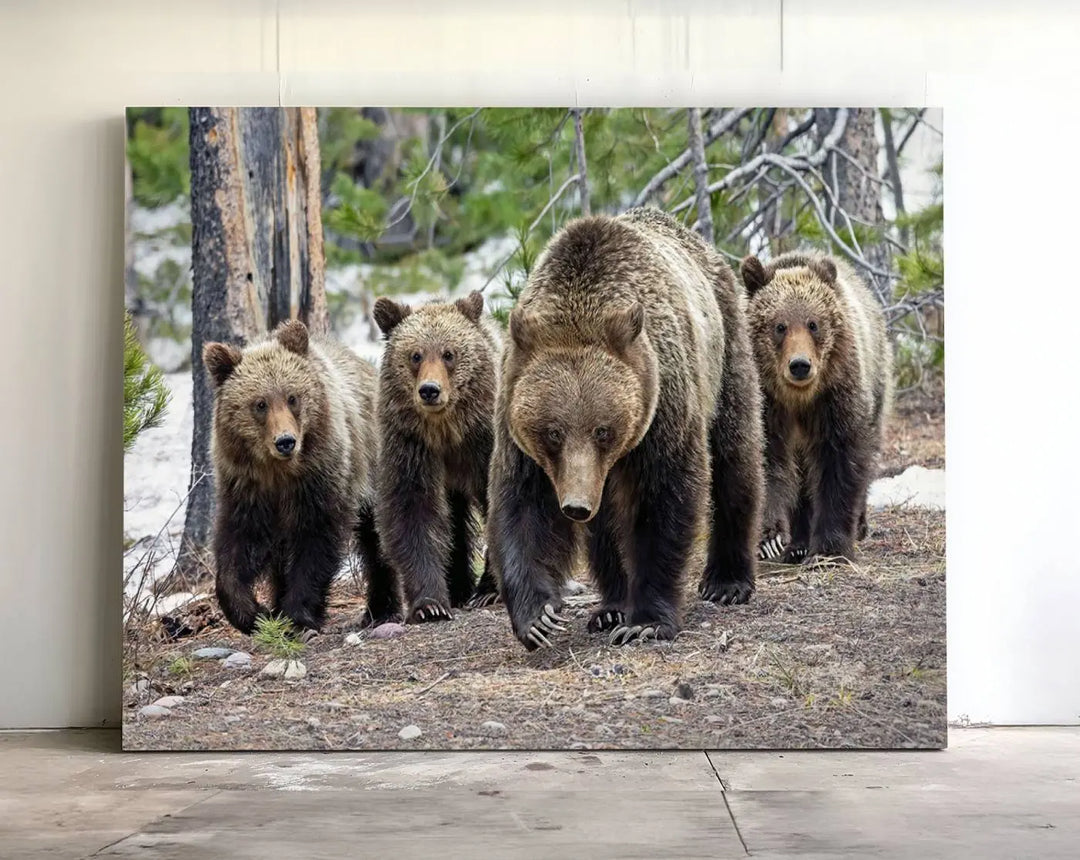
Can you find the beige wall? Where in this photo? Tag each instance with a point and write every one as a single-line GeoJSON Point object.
{"type": "Point", "coordinates": [69, 68]}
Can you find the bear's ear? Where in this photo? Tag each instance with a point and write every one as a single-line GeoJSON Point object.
{"type": "Point", "coordinates": [388, 314]}
{"type": "Point", "coordinates": [220, 361]}
{"type": "Point", "coordinates": [622, 327]}
{"type": "Point", "coordinates": [472, 305]}
{"type": "Point", "coordinates": [824, 269]}
{"type": "Point", "coordinates": [522, 328]}
{"type": "Point", "coordinates": [293, 335]}
{"type": "Point", "coordinates": [753, 274]}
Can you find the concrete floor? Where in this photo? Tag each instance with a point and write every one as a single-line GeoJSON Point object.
{"type": "Point", "coordinates": [993, 793]}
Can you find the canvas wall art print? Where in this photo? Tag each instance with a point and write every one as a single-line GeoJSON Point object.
{"type": "Point", "coordinates": [540, 428]}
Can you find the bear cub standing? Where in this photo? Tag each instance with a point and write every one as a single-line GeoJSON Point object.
{"type": "Point", "coordinates": [629, 417]}
{"type": "Point", "coordinates": [825, 365]}
{"type": "Point", "coordinates": [294, 452]}
{"type": "Point", "coordinates": [436, 399]}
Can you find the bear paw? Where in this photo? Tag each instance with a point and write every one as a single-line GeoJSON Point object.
{"type": "Point", "coordinates": [794, 554]}
{"type": "Point", "coordinates": [626, 633]}
{"type": "Point", "coordinates": [726, 593]}
{"type": "Point", "coordinates": [546, 624]}
{"type": "Point", "coordinates": [427, 609]}
{"type": "Point", "coordinates": [605, 618]}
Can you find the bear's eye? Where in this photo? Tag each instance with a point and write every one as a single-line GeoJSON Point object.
{"type": "Point", "coordinates": [780, 328]}
{"type": "Point", "coordinates": [602, 435]}
{"type": "Point", "coordinates": [812, 326]}
{"type": "Point", "coordinates": [292, 399]}
{"type": "Point", "coordinates": [260, 405]}
{"type": "Point", "coordinates": [554, 435]}
{"type": "Point", "coordinates": [417, 358]}
{"type": "Point", "coordinates": [448, 356]}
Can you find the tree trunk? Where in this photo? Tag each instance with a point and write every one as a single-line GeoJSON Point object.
{"type": "Point", "coordinates": [696, 145]}
{"type": "Point", "coordinates": [892, 162]}
{"type": "Point", "coordinates": [857, 193]}
{"type": "Point", "coordinates": [257, 259]}
{"type": "Point", "coordinates": [579, 149]}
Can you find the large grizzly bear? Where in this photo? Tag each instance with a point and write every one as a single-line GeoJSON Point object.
{"type": "Point", "coordinates": [436, 400]}
{"type": "Point", "coordinates": [294, 451]}
{"type": "Point", "coordinates": [825, 366]}
{"type": "Point", "coordinates": [628, 397]}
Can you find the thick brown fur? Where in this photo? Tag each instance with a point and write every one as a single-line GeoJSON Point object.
{"type": "Point", "coordinates": [628, 401]}
{"type": "Point", "coordinates": [290, 514]}
{"type": "Point", "coordinates": [811, 315]}
{"type": "Point", "coordinates": [433, 467]}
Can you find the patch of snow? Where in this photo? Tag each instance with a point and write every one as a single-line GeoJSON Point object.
{"type": "Point", "coordinates": [144, 220]}
{"type": "Point", "coordinates": [915, 487]}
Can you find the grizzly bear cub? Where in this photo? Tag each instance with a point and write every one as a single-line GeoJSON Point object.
{"type": "Point", "coordinates": [825, 365]}
{"type": "Point", "coordinates": [436, 399]}
{"type": "Point", "coordinates": [628, 401]}
{"type": "Point", "coordinates": [294, 451]}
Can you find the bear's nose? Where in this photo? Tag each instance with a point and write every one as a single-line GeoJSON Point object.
{"type": "Point", "coordinates": [285, 443]}
{"type": "Point", "coordinates": [429, 392]}
{"type": "Point", "coordinates": [577, 511]}
{"type": "Point", "coordinates": [799, 367]}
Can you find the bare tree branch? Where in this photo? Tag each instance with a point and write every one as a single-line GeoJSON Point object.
{"type": "Point", "coordinates": [907, 134]}
{"type": "Point", "coordinates": [579, 149]}
{"type": "Point", "coordinates": [701, 174]}
{"type": "Point", "coordinates": [722, 125]}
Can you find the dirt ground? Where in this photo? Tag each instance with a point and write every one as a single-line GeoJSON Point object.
{"type": "Point", "coordinates": [841, 657]}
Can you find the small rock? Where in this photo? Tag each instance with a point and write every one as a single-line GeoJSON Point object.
{"type": "Point", "coordinates": [595, 671]}
{"type": "Point", "coordinates": [652, 694]}
{"type": "Point", "coordinates": [237, 660]}
{"type": "Point", "coordinates": [232, 718]}
{"type": "Point", "coordinates": [713, 718]}
{"type": "Point", "coordinates": [389, 630]}
{"type": "Point", "coordinates": [212, 653]}
{"type": "Point", "coordinates": [273, 669]}
{"type": "Point", "coordinates": [684, 691]}
{"type": "Point", "coordinates": [678, 700]}
{"type": "Point", "coordinates": [169, 701]}
{"type": "Point", "coordinates": [154, 712]}
{"type": "Point", "coordinates": [314, 723]}
{"type": "Point", "coordinates": [409, 733]}
{"type": "Point", "coordinates": [778, 702]}
{"type": "Point", "coordinates": [353, 639]}
{"type": "Point", "coordinates": [493, 729]}
{"type": "Point", "coordinates": [140, 687]}
{"type": "Point", "coordinates": [295, 670]}
{"type": "Point", "coordinates": [667, 719]}
{"type": "Point", "coordinates": [618, 669]}
{"type": "Point", "coordinates": [705, 625]}
{"type": "Point", "coordinates": [579, 746]}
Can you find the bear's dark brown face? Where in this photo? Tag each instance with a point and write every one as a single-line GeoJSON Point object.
{"type": "Point", "coordinates": [575, 409]}
{"type": "Point", "coordinates": [792, 318]}
{"type": "Point", "coordinates": [434, 351]}
{"type": "Point", "coordinates": [264, 396]}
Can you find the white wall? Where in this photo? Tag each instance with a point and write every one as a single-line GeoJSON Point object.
{"type": "Point", "coordinates": [1007, 81]}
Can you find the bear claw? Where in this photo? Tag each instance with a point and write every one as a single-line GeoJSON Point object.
{"type": "Point", "coordinates": [605, 619]}
{"type": "Point", "coordinates": [771, 549]}
{"type": "Point", "coordinates": [728, 593]}
{"type": "Point", "coordinates": [480, 601]}
{"type": "Point", "coordinates": [549, 622]}
{"type": "Point", "coordinates": [430, 610]}
{"type": "Point", "coordinates": [624, 633]}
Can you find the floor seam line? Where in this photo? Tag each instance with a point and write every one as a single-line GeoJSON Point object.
{"type": "Point", "coordinates": [181, 811]}
{"type": "Point", "coordinates": [727, 806]}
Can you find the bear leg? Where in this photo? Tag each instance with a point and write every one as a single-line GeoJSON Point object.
{"type": "Point", "coordinates": [318, 552]}
{"type": "Point", "coordinates": [661, 504]}
{"type": "Point", "coordinates": [383, 603]}
{"type": "Point", "coordinates": [460, 577]}
{"type": "Point", "coordinates": [736, 490]}
{"type": "Point", "coordinates": [241, 553]}
{"type": "Point", "coordinates": [608, 572]}
{"type": "Point", "coordinates": [531, 545]}
{"type": "Point", "coordinates": [801, 520]}
{"type": "Point", "coordinates": [839, 474]}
